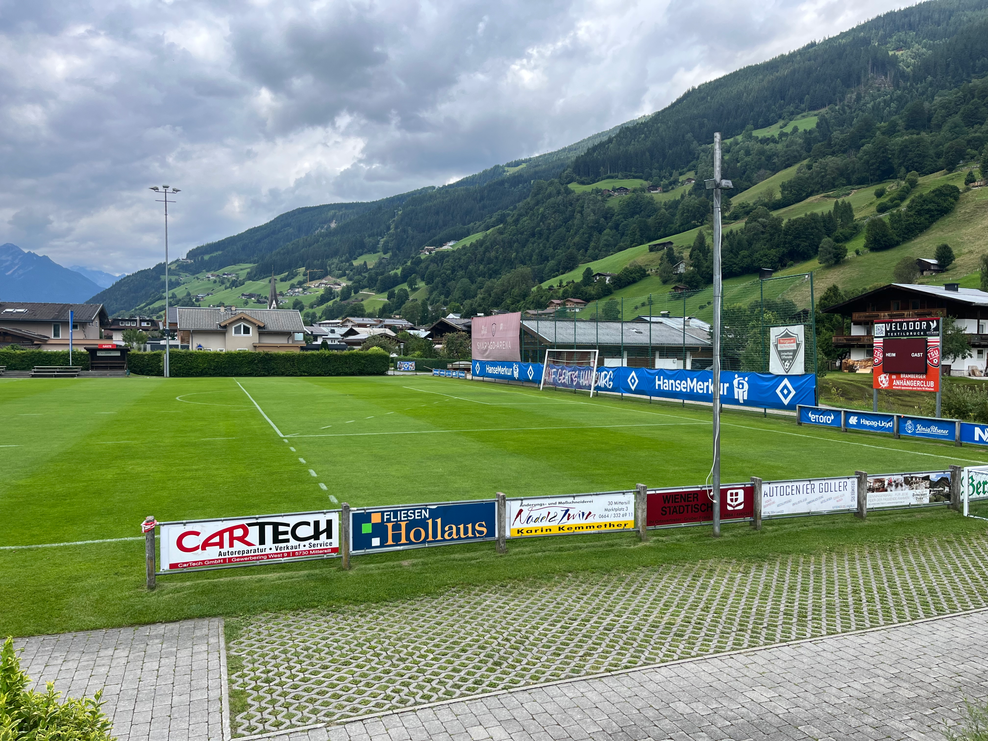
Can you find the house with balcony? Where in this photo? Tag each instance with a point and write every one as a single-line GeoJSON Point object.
{"type": "Point", "coordinates": [968, 307]}
{"type": "Point", "coordinates": [47, 326]}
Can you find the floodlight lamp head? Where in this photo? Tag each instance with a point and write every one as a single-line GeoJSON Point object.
{"type": "Point", "coordinates": [165, 187]}
{"type": "Point", "coordinates": [176, 190]}
{"type": "Point", "coordinates": [154, 188]}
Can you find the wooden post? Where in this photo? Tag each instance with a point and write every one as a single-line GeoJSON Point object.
{"type": "Point", "coordinates": [345, 535]}
{"type": "Point", "coordinates": [641, 511]}
{"type": "Point", "coordinates": [502, 522]}
{"type": "Point", "coordinates": [862, 494]}
{"type": "Point", "coordinates": [148, 527]}
{"type": "Point", "coordinates": [956, 479]}
{"type": "Point", "coordinates": [957, 433]}
{"type": "Point", "coordinates": [756, 521]}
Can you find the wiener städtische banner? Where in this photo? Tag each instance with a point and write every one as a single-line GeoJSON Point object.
{"type": "Point", "coordinates": [696, 504]}
{"type": "Point", "coordinates": [571, 515]}
{"type": "Point", "coordinates": [759, 390]}
{"type": "Point", "coordinates": [809, 495]}
{"type": "Point", "coordinates": [246, 540]}
{"type": "Point", "coordinates": [905, 489]}
{"type": "Point", "coordinates": [496, 337]}
{"type": "Point", "coordinates": [417, 525]}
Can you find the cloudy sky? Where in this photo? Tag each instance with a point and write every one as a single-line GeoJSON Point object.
{"type": "Point", "coordinates": [254, 108]}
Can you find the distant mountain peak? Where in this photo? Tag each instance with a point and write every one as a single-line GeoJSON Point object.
{"type": "Point", "coordinates": [25, 276]}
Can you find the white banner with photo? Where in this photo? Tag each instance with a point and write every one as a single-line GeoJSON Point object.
{"type": "Point", "coordinates": [809, 495]}
{"type": "Point", "coordinates": [905, 489]}
{"type": "Point", "coordinates": [571, 515]}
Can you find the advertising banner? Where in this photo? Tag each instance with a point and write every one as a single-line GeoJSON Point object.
{"type": "Point", "coordinates": [405, 365]}
{"type": "Point", "coordinates": [527, 372]}
{"type": "Point", "coordinates": [909, 340]}
{"type": "Point", "coordinates": [571, 515]}
{"type": "Point", "coordinates": [820, 416]}
{"type": "Point", "coordinates": [415, 526]}
{"type": "Point", "coordinates": [975, 482]}
{"type": "Point", "coordinates": [496, 337]}
{"type": "Point", "coordinates": [249, 540]}
{"type": "Point", "coordinates": [971, 432]}
{"type": "Point", "coordinates": [696, 504]}
{"type": "Point", "coordinates": [932, 429]}
{"type": "Point", "coordinates": [905, 489]}
{"type": "Point", "coordinates": [569, 376]}
{"type": "Point", "coordinates": [788, 349]}
{"type": "Point", "coordinates": [870, 422]}
{"type": "Point", "coordinates": [809, 495]}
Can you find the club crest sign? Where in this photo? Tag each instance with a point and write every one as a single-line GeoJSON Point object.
{"type": "Point", "coordinates": [787, 354]}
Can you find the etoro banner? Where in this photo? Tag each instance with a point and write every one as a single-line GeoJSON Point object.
{"type": "Point", "coordinates": [787, 350]}
{"type": "Point", "coordinates": [249, 540]}
{"type": "Point", "coordinates": [696, 504]}
{"type": "Point", "coordinates": [905, 489]}
{"type": "Point", "coordinates": [419, 525]}
{"type": "Point", "coordinates": [496, 337]}
{"type": "Point", "coordinates": [809, 495]}
{"type": "Point", "coordinates": [571, 515]}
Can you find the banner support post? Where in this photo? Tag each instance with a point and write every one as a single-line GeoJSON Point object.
{"type": "Point", "coordinates": [756, 521]}
{"type": "Point", "coordinates": [502, 522]}
{"type": "Point", "coordinates": [641, 511]}
{"type": "Point", "coordinates": [956, 474]}
{"type": "Point", "coordinates": [862, 495]}
{"type": "Point", "coordinates": [345, 536]}
{"type": "Point", "coordinates": [940, 368]}
{"type": "Point", "coordinates": [148, 527]}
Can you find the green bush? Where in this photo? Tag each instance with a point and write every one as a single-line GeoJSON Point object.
{"type": "Point", "coordinates": [965, 401]}
{"type": "Point", "coordinates": [197, 364]}
{"type": "Point", "coordinates": [26, 714]}
{"type": "Point", "coordinates": [25, 360]}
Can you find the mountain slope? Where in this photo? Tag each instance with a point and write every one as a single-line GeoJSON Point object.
{"type": "Point", "coordinates": [100, 278]}
{"type": "Point", "coordinates": [25, 276]}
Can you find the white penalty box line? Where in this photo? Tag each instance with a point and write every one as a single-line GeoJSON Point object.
{"type": "Point", "coordinates": [273, 425]}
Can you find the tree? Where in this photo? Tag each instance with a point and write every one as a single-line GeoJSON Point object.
{"type": "Point", "coordinates": [944, 256]}
{"type": "Point", "coordinates": [969, 178]}
{"type": "Point", "coordinates": [587, 278]}
{"type": "Point", "coordinates": [906, 270]}
{"type": "Point", "coordinates": [878, 236]}
{"type": "Point", "coordinates": [611, 311]}
{"type": "Point", "coordinates": [983, 267]}
{"type": "Point", "coordinates": [956, 344]}
{"type": "Point", "coordinates": [456, 346]}
{"type": "Point", "coordinates": [830, 252]}
{"type": "Point", "coordinates": [380, 340]}
{"type": "Point", "coordinates": [135, 338]}
{"type": "Point", "coordinates": [412, 311]}
{"type": "Point", "coordinates": [298, 305]}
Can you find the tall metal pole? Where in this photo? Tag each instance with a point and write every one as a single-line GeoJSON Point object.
{"type": "Point", "coordinates": [940, 370]}
{"type": "Point", "coordinates": [716, 185]}
{"type": "Point", "coordinates": [165, 191]}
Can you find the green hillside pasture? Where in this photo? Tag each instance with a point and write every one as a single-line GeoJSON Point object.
{"type": "Point", "coordinates": [82, 463]}
{"type": "Point", "coordinates": [803, 123]}
{"type": "Point", "coordinates": [769, 187]}
{"type": "Point", "coordinates": [197, 283]}
{"type": "Point", "coordinates": [609, 184]}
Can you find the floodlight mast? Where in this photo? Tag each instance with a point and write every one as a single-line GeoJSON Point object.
{"type": "Point", "coordinates": [166, 191]}
{"type": "Point", "coordinates": [717, 185]}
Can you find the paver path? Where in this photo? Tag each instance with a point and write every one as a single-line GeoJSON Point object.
{"type": "Point", "coordinates": [904, 683]}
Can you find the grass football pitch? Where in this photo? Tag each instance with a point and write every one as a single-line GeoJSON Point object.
{"type": "Point", "coordinates": [87, 460]}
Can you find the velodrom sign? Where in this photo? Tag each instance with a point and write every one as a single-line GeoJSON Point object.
{"type": "Point", "coordinates": [245, 541]}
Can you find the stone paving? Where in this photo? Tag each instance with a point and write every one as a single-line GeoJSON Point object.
{"type": "Point", "coordinates": [291, 670]}
{"type": "Point", "coordinates": [906, 683]}
{"type": "Point", "coordinates": [164, 681]}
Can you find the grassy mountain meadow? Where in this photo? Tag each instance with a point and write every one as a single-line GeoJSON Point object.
{"type": "Point", "coordinates": [868, 142]}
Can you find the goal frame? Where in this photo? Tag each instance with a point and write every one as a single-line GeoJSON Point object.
{"type": "Point", "coordinates": [551, 351]}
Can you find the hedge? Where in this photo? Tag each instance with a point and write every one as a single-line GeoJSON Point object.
{"type": "Point", "coordinates": [425, 364]}
{"type": "Point", "coordinates": [25, 360]}
{"type": "Point", "coordinates": [197, 363]}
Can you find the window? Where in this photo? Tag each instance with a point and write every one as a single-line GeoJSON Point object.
{"type": "Point", "coordinates": [241, 329]}
{"type": "Point", "coordinates": [75, 326]}
{"type": "Point", "coordinates": [895, 306]}
{"type": "Point", "coordinates": [914, 304]}
{"type": "Point", "coordinates": [56, 331]}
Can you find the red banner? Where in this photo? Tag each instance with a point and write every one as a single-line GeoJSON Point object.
{"type": "Point", "coordinates": [695, 504]}
{"type": "Point", "coordinates": [496, 337]}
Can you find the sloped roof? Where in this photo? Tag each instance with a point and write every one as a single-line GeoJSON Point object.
{"type": "Point", "coordinates": [10, 312]}
{"type": "Point", "coordinates": [211, 319]}
{"type": "Point", "coordinates": [611, 333]}
{"type": "Point", "coordinates": [969, 296]}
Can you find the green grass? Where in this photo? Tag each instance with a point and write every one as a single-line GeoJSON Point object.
{"type": "Point", "coordinates": [769, 187]}
{"type": "Point", "coordinates": [94, 457]}
{"type": "Point", "coordinates": [609, 184]}
{"type": "Point", "coordinates": [370, 258]}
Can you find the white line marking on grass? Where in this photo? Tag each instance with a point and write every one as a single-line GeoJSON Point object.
{"type": "Point", "coordinates": [105, 412]}
{"type": "Point", "coordinates": [507, 429]}
{"type": "Point", "coordinates": [328, 426]}
{"type": "Point", "coordinates": [388, 413]}
{"type": "Point", "coordinates": [300, 460]}
{"type": "Point", "coordinates": [273, 425]}
{"type": "Point", "coordinates": [450, 396]}
{"type": "Point", "coordinates": [10, 446]}
{"type": "Point", "coordinates": [312, 473]}
{"type": "Point", "coordinates": [205, 403]}
{"type": "Point", "coordinates": [218, 438]}
{"type": "Point", "coordinates": [348, 422]}
{"type": "Point", "coordinates": [29, 415]}
{"type": "Point", "coordinates": [60, 545]}
{"type": "Point", "coordinates": [115, 442]}
{"type": "Point", "coordinates": [322, 486]}
{"type": "Point", "coordinates": [333, 499]}
{"type": "Point", "coordinates": [290, 447]}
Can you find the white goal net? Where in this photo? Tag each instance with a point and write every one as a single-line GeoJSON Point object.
{"type": "Point", "coordinates": [570, 369]}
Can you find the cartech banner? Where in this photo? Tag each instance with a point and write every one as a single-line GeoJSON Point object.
{"type": "Point", "coordinates": [809, 495]}
{"type": "Point", "coordinates": [414, 526]}
{"type": "Point", "coordinates": [571, 515]}
{"type": "Point", "coordinates": [248, 540]}
{"type": "Point", "coordinates": [760, 390]}
{"type": "Point", "coordinates": [696, 504]}
{"type": "Point", "coordinates": [526, 372]}
{"type": "Point", "coordinates": [496, 337]}
{"type": "Point", "coordinates": [906, 489]}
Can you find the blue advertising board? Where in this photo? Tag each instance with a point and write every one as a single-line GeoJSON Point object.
{"type": "Point", "coordinates": [932, 429]}
{"type": "Point", "coordinates": [508, 370]}
{"type": "Point", "coordinates": [406, 365]}
{"type": "Point", "coordinates": [417, 526]}
{"type": "Point", "coordinates": [973, 433]}
{"type": "Point", "coordinates": [870, 422]}
{"type": "Point", "coordinates": [819, 416]}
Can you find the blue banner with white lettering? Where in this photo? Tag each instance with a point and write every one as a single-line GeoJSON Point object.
{"type": "Point", "coordinates": [819, 416]}
{"type": "Point", "coordinates": [570, 376]}
{"type": "Point", "coordinates": [415, 526]}
{"type": "Point", "coordinates": [971, 432]}
{"type": "Point", "coordinates": [508, 370]}
{"type": "Point", "coordinates": [870, 422]}
{"type": "Point", "coordinates": [932, 429]}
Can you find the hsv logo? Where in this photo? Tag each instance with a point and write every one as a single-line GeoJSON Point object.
{"type": "Point", "coordinates": [785, 391]}
{"type": "Point", "coordinates": [933, 355]}
{"type": "Point", "coordinates": [633, 381]}
{"type": "Point", "coordinates": [878, 355]}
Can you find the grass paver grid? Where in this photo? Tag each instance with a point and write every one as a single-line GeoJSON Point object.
{"type": "Point", "coordinates": [289, 670]}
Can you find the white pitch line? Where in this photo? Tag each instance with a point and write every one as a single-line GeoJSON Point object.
{"type": "Point", "coordinates": [10, 446]}
{"type": "Point", "coordinates": [301, 460]}
{"type": "Point", "coordinates": [290, 447]}
{"type": "Point", "coordinates": [328, 426]}
{"type": "Point", "coordinates": [333, 499]}
{"type": "Point", "coordinates": [312, 473]}
{"type": "Point", "coordinates": [29, 415]}
{"type": "Point", "coordinates": [507, 429]}
{"type": "Point", "coordinates": [60, 545]}
{"type": "Point", "coordinates": [449, 396]}
{"type": "Point", "coordinates": [273, 425]}
{"type": "Point", "coordinates": [322, 486]}
{"type": "Point", "coordinates": [348, 422]}
{"type": "Point", "coordinates": [218, 438]}
{"type": "Point", "coordinates": [370, 417]}
{"type": "Point", "coordinates": [115, 442]}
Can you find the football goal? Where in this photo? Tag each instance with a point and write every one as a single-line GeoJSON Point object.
{"type": "Point", "coordinates": [570, 369]}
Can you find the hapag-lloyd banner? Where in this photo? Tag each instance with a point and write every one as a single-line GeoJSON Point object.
{"type": "Point", "coordinates": [696, 504]}
{"type": "Point", "coordinates": [809, 495]}
{"type": "Point", "coordinates": [571, 515]}
{"type": "Point", "coordinates": [496, 337]}
{"type": "Point", "coordinates": [248, 540]}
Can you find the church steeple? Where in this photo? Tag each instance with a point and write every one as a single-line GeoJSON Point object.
{"type": "Point", "coordinates": [273, 294]}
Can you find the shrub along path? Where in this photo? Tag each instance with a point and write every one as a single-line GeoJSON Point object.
{"type": "Point", "coordinates": [297, 669]}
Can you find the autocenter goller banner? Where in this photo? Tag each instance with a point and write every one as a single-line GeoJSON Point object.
{"type": "Point", "coordinates": [571, 515]}
{"type": "Point", "coordinates": [496, 337]}
{"type": "Point", "coordinates": [809, 495]}
{"type": "Point", "coordinates": [249, 540]}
